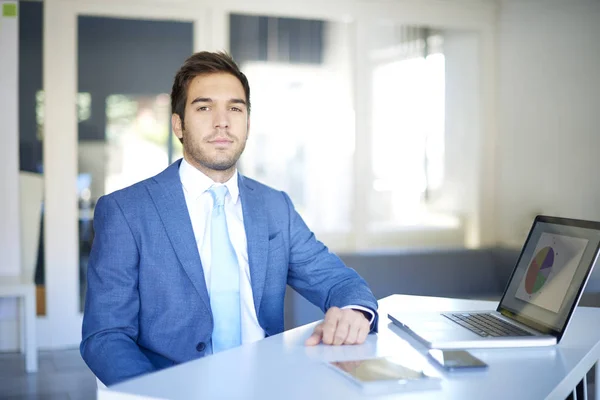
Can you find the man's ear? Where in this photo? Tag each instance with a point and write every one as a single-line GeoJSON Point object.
{"type": "Point", "coordinates": [177, 126]}
{"type": "Point", "coordinates": [248, 127]}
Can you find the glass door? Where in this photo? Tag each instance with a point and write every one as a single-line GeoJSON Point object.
{"type": "Point", "coordinates": [119, 72]}
{"type": "Point", "coordinates": [125, 72]}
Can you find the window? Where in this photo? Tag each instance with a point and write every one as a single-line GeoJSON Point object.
{"type": "Point", "coordinates": [302, 140]}
{"type": "Point", "coordinates": [302, 122]}
{"type": "Point", "coordinates": [138, 130]}
{"type": "Point", "coordinates": [408, 118]}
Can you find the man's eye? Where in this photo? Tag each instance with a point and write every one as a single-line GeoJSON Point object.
{"type": "Point", "coordinates": [203, 108]}
{"type": "Point", "coordinates": [236, 109]}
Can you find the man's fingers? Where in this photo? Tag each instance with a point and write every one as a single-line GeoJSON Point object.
{"type": "Point", "coordinates": [357, 321]}
{"type": "Point", "coordinates": [362, 335]}
{"type": "Point", "coordinates": [341, 333]}
{"type": "Point", "coordinates": [329, 328]}
{"type": "Point", "coordinates": [364, 327]}
{"type": "Point", "coordinates": [333, 315]}
{"type": "Point", "coordinates": [340, 327]}
{"type": "Point", "coordinates": [352, 337]}
{"type": "Point", "coordinates": [330, 323]}
{"type": "Point", "coordinates": [315, 338]}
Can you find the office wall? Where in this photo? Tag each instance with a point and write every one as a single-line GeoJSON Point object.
{"type": "Point", "coordinates": [549, 113]}
{"type": "Point", "coordinates": [10, 259]}
{"type": "Point", "coordinates": [10, 243]}
{"type": "Point", "coordinates": [461, 189]}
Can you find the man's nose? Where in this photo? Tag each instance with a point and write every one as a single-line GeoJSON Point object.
{"type": "Point", "coordinates": [221, 119]}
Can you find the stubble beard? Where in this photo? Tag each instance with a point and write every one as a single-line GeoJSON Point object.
{"type": "Point", "coordinates": [201, 158]}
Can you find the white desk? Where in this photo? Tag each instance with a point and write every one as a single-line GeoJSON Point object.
{"type": "Point", "coordinates": [24, 290]}
{"type": "Point", "coordinates": [280, 367]}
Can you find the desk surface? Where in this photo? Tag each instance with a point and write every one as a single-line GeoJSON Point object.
{"type": "Point", "coordinates": [281, 367]}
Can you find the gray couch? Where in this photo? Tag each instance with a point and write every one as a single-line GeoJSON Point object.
{"type": "Point", "coordinates": [461, 273]}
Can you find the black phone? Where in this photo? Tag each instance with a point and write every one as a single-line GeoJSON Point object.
{"type": "Point", "coordinates": [456, 359]}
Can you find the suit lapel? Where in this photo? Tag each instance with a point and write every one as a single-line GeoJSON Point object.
{"type": "Point", "coordinates": [166, 191]}
{"type": "Point", "coordinates": [257, 236]}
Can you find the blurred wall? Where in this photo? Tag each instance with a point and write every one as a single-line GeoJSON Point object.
{"type": "Point", "coordinates": [10, 258]}
{"type": "Point", "coordinates": [549, 113]}
{"type": "Point", "coordinates": [463, 136]}
{"type": "Point", "coordinates": [10, 243]}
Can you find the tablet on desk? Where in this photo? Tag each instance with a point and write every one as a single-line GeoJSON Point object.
{"type": "Point", "coordinates": [384, 374]}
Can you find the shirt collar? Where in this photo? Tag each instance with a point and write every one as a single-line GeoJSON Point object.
{"type": "Point", "coordinates": [195, 182]}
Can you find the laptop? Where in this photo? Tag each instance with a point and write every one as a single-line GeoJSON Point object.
{"type": "Point", "coordinates": [538, 302]}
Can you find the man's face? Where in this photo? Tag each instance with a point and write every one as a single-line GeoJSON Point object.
{"type": "Point", "coordinates": [216, 123]}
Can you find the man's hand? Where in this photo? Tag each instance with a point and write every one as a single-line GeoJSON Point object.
{"type": "Point", "coordinates": [341, 326]}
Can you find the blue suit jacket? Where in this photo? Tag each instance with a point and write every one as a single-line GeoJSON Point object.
{"type": "Point", "coordinates": [147, 306]}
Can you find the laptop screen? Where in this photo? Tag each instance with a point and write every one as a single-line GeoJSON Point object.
{"type": "Point", "coordinates": [551, 272]}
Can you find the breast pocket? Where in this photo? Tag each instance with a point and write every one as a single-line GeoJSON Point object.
{"type": "Point", "coordinates": [275, 242]}
{"type": "Point", "coordinates": [277, 254]}
{"type": "Point", "coordinates": [277, 266]}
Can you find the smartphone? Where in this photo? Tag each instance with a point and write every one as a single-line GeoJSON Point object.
{"type": "Point", "coordinates": [452, 360]}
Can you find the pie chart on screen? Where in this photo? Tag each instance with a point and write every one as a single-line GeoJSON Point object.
{"type": "Point", "coordinates": [539, 270]}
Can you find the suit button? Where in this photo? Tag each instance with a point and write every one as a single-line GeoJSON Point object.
{"type": "Point", "coordinates": [201, 346]}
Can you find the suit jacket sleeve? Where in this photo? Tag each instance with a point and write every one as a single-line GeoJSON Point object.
{"type": "Point", "coordinates": [319, 275]}
{"type": "Point", "coordinates": [110, 322]}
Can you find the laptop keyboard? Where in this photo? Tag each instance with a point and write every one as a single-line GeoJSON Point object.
{"type": "Point", "coordinates": [486, 325]}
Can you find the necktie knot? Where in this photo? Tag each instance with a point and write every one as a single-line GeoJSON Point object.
{"type": "Point", "coordinates": [218, 194]}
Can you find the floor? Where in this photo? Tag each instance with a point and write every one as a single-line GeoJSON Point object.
{"type": "Point", "coordinates": [62, 375]}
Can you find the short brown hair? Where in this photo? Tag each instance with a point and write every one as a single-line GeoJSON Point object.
{"type": "Point", "coordinates": [200, 63]}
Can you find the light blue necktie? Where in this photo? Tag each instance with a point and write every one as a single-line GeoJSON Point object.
{"type": "Point", "coordinates": [224, 279]}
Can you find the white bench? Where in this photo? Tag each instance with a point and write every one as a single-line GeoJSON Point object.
{"type": "Point", "coordinates": [24, 290]}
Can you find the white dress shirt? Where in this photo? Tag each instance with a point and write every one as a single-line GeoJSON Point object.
{"type": "Point", "coordinates": [200, 203]}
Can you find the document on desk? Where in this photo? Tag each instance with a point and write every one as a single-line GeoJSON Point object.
{"type": "Point", "coordinates": [385, 374]}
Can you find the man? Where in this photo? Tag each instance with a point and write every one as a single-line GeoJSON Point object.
{"type": "Point", "coordinates": [196, 259]}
